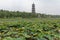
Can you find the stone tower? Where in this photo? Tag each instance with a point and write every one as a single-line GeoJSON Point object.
{"type": "Point", "coordinates": [33, 8]}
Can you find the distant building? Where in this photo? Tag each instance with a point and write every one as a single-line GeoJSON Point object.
{"type": "Point", "coordinates": [33, 8]}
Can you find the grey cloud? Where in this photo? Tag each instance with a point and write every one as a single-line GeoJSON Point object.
{"type": "Point", "coordinates": [42, 6]}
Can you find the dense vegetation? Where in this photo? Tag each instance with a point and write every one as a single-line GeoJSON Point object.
{"type": "Point", "coordinates": [13, 14]}
{"type": "Point", "coordinates": [15, 25]}
{"type": "Point", "coordinates": [29, 29]}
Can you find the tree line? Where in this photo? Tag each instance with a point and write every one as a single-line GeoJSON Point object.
{"type": "Point", "coordinates": [9, 14]}
{"type": "Point", "coordinates": [12, 14]}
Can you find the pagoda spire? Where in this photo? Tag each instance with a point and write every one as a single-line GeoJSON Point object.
{"type": "Point", "coordinates": [33, 8]}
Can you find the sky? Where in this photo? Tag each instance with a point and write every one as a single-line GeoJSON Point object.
{"type": "Point", "coordinates": [41, 6]}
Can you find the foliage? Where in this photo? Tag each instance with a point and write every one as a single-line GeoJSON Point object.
{"type": "Point", "coordinates": [29, 29]}
{"type": "Point", "coordinates": [14, 14]}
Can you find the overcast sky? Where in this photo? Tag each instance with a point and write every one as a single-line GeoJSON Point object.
{"type": "Point", "coordinates": [42, 6]}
